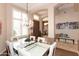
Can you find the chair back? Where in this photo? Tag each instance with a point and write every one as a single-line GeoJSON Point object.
{"type": "Point", "coordinates": [32, 38]}
{"type": "Point", "coordinates": [14, 38]}
{"type": "Point", "coordinates": [41, 39]}
{"type": "Point", "coordinates": [10, 45]}
{"type": "Point", "coordinates": [52, 49]}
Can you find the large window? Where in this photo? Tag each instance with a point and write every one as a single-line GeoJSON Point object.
{"type": "Point", "coordinates": [20, 23]}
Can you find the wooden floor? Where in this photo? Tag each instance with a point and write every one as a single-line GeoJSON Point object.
{"type": "Point", "coordinates": [59, 52]}
{"type": "Point", "coordinates": [62, 52]}
{"type": "Point", "coordinates": [68, 46]}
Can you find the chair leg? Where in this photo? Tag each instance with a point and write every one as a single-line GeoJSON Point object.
{"type": "Point", "coordinates": [54, 52]}
{"type": "Point", "coordinates": [7, 50]}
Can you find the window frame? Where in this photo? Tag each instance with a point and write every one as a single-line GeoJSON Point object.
{"type": "Point", "coordinates": [21, 20]}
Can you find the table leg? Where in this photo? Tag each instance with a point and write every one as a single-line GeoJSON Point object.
{"type": "Point", "coordinates": [73, 41]}
{"type": "Point", "coordinates": [65, 40]}
{"type": "Point", "coordinates": [58, 39]}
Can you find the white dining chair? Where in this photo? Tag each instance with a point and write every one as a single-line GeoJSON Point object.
{"type": "Point", "coordinates": [52, 49]}
{"type": "Point", "coordinates": [22, 52]}
{"type": "Point", "coordinates": [32, 37]}
{"type": "Point", "coordinates": [41, 39]}
{"type": "Point", "coordinates": [10, 50]}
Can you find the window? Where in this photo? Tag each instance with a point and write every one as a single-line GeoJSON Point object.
{"type": "Point", "coordinates": [20, 23]}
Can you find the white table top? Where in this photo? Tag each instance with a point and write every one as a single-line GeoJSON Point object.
{"type": "Point", "coordinates": [21, 43]}
{"type": "Point", "coordinates": [36, 49]}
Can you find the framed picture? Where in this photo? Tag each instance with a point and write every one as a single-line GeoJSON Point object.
{"type": "Point", "coordinates": [68, 25]}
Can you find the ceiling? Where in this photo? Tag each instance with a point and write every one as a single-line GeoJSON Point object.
{"type": "Point", "coordinates": [66, 5]}
{"type": "Point", "coordinates": [37, 8]}
{"type": "Point", "coordinates": [21, 5]}
{"type": "Point", "coordinates": [63, 7]}
{"type": "Point", "coordinates": [33, 6]}
{"type": "Point", "coordinates": [40, 8]}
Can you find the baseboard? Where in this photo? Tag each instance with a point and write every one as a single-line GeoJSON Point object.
{"type": "Point", "coordinates": [2, 51]}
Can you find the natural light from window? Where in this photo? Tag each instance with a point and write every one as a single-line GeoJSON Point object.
{"type": "Point", "coordinates": [36, 17]}
{"type": "Point", "coordinates": [20, 23]}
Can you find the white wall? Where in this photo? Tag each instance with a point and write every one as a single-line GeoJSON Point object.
{"type": "Point", "coordinates": [9, 21]}
{"type": "Point", "coordinates": [69, 16]}
{"type": "Point", "coordinates": [5, 18]}
{"type": "Point", "coordinates": [3, 21]}
{"type": "Point", "coordinates": [51, 22]}
{"type": "Point", "coordinates": [40, 24]}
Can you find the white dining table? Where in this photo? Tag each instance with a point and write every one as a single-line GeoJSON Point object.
{"type": "Point", "coordinates": [21, 43]}
{"type": "Point", "coordinates": [35, 49]}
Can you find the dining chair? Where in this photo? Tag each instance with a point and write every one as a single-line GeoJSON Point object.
{"type": "Point", "coordinates": [10, 49]}
{"type": "Point", "coordinates": [52, 49]}
{"type": "Point", "coordinates": [14, 38]}
{"type": "Point", "coordinates": [41, 39]}
{"type": "Point", "coordinates": [32, 38]}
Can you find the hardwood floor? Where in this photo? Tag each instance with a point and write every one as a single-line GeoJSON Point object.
{"type": "Point", "coordinates": [62, 52]}
{"type": "Point", "coordinates": [68, 46]}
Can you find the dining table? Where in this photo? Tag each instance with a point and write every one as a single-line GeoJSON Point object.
{"type": "Point", "coordinates": [32, 47]}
